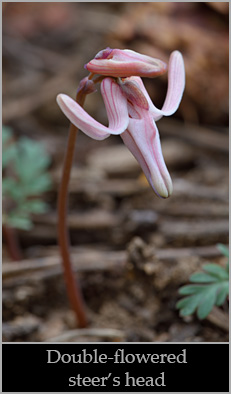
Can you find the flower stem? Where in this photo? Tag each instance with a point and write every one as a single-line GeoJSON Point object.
{"type": "Point", "coordinates": [73, 288]}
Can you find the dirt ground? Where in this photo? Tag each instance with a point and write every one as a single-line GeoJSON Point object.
{"type": "Point", "coordinates": [130, 250]}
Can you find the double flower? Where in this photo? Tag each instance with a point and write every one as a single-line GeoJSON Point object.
{"type": "Point", "coordinates": [131, 113]}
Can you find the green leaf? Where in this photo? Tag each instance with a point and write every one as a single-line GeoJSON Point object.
{"type": "Point", "coordinates": [201, 277]}
{"type": "Point", "coordinates": [188, 305]}
{"type": "Point", "coordinates": [223, 249]}
{"type": "Point", "coordinates": [216, 270]}
{"type": "Point", "coordinates": [8, 154]}
{"type": "Point", "coordinates": [6, 134]}
{"type": "Point", "coordinates": [19, 222]}
{"type": "Point", "coordinates": [202, 297]}
{"type": "Point", "coordinates": [8, 185]}
{"type": "Point", "coordinates": [222, 293]}
{"type": "Point", "coordinates": [12, 189]}
{"type": "Point", "coordinates": [191, 289]}
{"type": "Point", "coordinates": [8, 148]}
{"type": "Point", "coordinates": [38, 185]}
{"type": "Point", "coordinates": [31, 152]}
{"type": "Point", "coordinates": [34, 206]}
{"type": "Point", "coordinates": [207, 302]}
{"type": "Point", "coordinates": [29, 161]}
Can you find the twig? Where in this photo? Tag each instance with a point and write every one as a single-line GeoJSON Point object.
{"type": "Point", "coordinates": [198, 228]}
{"type": "Point", "coordinates": [97, 332]}
{"type": "Point", "coordinates": [82, 260]}
{"type": "Point", "coordinates": [85, 259]}
{"type": "Point", "coordinates": [219, 318]}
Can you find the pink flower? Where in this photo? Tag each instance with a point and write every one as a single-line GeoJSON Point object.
{"type": "Point", "coordinates": [132, 115]}
{"type": "Point", "coordinates": [125, 63]}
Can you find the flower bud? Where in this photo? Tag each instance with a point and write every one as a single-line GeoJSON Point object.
{"type": "Point", "coordinates": [86, 86]}
{"type": "Point", "coordinates": [125, 63]}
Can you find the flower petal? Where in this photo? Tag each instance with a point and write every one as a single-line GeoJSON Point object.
{"type": "Point", "coordinates": [176, 84]}
{"type": "Point", "coordinates": [125, 63]}
{"type": "Point", "coordinates": [142, 138]}
{"type": "Point", "coordinates": [116, 107]}
{"type": "Point", "coordinates": [133, 92]}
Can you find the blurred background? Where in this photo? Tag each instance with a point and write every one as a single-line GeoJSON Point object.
{"type": "Point", "coordinates": [132, 251]}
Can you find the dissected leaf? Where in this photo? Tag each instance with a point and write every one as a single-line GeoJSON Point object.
{"type": "Point", "coordinates": [207, 302]}
{"type": "Point", "coordinates": [11, 190]}
{"type": "Point", "coordinates": [223, 249]}
{"type": "Point", "coordinates": [8, 149]}
{"type": "Point", "coordinates": [6, 134]}
{"type": "Point", "coordinates": [191, 289]}
{"type": "Point", "coordinates": [201, 277]}
{"type": "Point", "coordinates": [8, 154]}
{"type": "Point", "coordinates": [34, 206]}
{"type": "Point", "coordinates": [8, 186]}
{"type": "Point", "coordinates": [188, 305]}
{"type": "Point", "coordinates": [38, 185]}
{"type": "Point", "coordinates": [23, 223]}
{"type": "Point", "coordinates": [222, 293]}
{"type": "Point", "coordinates": [29, 162]}
{"type": "Point", "coordinates": [216, 270]}
{"type": "Point", "coordinates": [202, 297]}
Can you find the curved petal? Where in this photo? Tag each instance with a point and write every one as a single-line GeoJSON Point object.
{"type": "Point", "coordinates": [116, 107]}
{"type": "Point", "coordinates": [176, 84]}
{"type": "Point", "coordinates": [125, 63]}
{"type": "Point", "coordinates": [142, 138]}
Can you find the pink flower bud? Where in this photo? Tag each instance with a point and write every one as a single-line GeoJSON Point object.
{"type": "Point", "coordinates": [125, 63]}
{"type": "Point", "coordinates": [86, 86]}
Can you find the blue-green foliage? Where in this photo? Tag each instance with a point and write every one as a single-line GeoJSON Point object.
{"type": "Point", "coordinates": [25, 177]}
{"type": "Point", "coordinates": [209, 288]}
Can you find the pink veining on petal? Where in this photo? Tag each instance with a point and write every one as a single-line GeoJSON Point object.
{"type": "Point", "coordinates": [125, 63]}
{"type": "Point", "coordinates": [142, 138]}
{"type": "Point", "coordinates": [116, 108]}
{"type": "Point", "coordinates": [176, 83]}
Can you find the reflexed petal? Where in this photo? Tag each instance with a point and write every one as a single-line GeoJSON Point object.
{"type": "Point", "coordinates": [125, 63]}
{"type": "Point", "coordinates": [116, 107]}
{"type": "Point", "coordinates": [142, 138]}
{"type": "Point", "coordinates": [176, 84]}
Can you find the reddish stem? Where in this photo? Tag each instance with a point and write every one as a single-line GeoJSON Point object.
{"type": "Point", "coordinates": [12, 243]}
{"type": "Point", "coordinates": [73, 289]}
